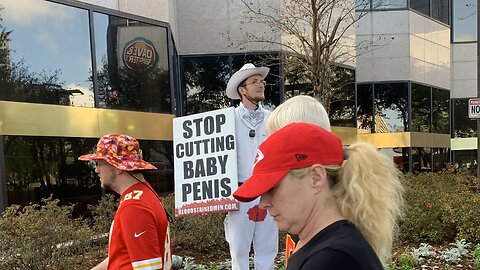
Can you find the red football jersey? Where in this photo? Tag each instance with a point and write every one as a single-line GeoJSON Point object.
{"type": "Point", "coordinates": [140, 234]}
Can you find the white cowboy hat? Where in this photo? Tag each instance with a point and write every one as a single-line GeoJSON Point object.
{"type": "Point", "coordinates": [246, 71]}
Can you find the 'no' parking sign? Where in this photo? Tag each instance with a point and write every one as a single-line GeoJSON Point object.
{"type": "Point", "coordinates": [474, 108]}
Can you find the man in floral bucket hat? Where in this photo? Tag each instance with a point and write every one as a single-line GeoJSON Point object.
{"type": "Point", "coordinates": [140, 235]}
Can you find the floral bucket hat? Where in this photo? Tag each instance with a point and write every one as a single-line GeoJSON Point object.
{"type": "Point", "coordinates": [121, 151]}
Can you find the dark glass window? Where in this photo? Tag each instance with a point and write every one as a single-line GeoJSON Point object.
{"type": "Point", "coordinates": [464, 20]}
{"type": "Point", "coordinates": [362, 5]}
{"type": "Point", "coordinates": [36, 167]}
{"type": "Point", "coordinates": [441, 10]}
{"type": "Point", "coordinates": [45, 54]}
{"type": "Point", "coordinates": [342, 105]}
{"type": "Point", "coordinates": [463, 127]}
{"type": "Point", "coordinates": [272, 89]}
{"type": "Point", "coordinates": [421, 104]}
{"type": "Point", "coordinates": [440, 111]}
{"type": "Point", "coordinates": [422, 159]}
{"type": "Point", "coordinates": [205, 80]}
{"type": "Point", "coordinates": [422, 6]}
{"type": "Point", "coordinates": [389, 4]}
{"type": "Point", "coordinates": [440, 158]}
{"type": "Point", "coordinates": [132, 65]}
{"type": "Point", "coordinates": [365, 108]}
{"type": "Point", "coordinates": [465, 159]}
{"type": "Point", "coordinates": [391, 107]}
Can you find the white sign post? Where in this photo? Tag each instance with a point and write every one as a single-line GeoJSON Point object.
{"type": "Point", "coordinates": [474, 108]}
{"type": "Point", "coordinates": [205, 162]}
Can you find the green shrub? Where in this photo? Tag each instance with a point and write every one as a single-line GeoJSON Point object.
{"type": "Point", "coordinates": [45, 236]}
{"type": "Point", "coordinates": [441, 207]}
{"type": "Point", "coordinates": [407, 261]}
{"type": "Point", "coordinates": [476, 257]}
{"type": "Point", "coordinates": [196, 234]}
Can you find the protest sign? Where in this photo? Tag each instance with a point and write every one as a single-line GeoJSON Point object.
{"type": "Point", "coordinates": [205, 162]}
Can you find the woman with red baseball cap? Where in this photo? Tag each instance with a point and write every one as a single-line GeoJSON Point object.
{"type": "Point", "coordinates": [343, 211]}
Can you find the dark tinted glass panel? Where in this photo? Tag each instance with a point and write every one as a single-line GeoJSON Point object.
{"type": "Point", "coordinates": [342, 106]}
{"type": "Point", "coordinates": [160, 154]}
{"type": "Point", "coordinates": [422, 6]}
{"type": "Point", "coordinates": [440, 158]}
{"type": "Point", "coordinates": [441, 10]}
{"type": "Point", "coordinates": [463, 127]}
{"type": "Point", "coordinates": [422, 159]}
{"type": "Point", "coordinates": [132, 65]}
{"type": "Point", "coordinates": [365, 108]}
{"type": "Point", "coordinates": [39, 166]}
{"type": "Point", "coordinates": [36, 167]}
{"type": "Point", "coordinates": [362, 4]}
{"type": "Point", "coordinates": [421, 104]}
{"type": "Point", "coordinates": [464, 20]}
{"type": "Point", "coordinates": [205, 80]}
{"type": "Point", "coordinates": [389, 4]}
{"type": "Point", "coordinates": [45, 54]}
{"type": "Point", "coordinates": [272, 89]}
{"type": "Point", "coordinates": [391, 107]}
{"type": "Point", "coordinates": [466, 160]}
{"type": "Point", "coordinates": [440, 111]}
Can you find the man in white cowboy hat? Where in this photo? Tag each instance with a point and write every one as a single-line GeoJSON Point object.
{"type": "Point", "coordinates": [250, 223]}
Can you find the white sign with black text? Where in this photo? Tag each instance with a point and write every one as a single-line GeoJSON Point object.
{"type": "Point", "coordinates": [205, 162]}
{"type": "Point", "coordinates": [474, 108]}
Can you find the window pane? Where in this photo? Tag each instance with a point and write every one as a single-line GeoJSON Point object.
{"type": "Point", "coordinates": [399, 156]}
{"type": "Point", "coordinates": [463, 127]}
{"type": "Point", "coordinates": [342, 106]}
{"type": "Point", "coordinates": [45, 57]}
{"type": "Point", "coordinates": [389, 4]}
{"type": "Point", "coordinates": [440, 111]}
{"type": "Point", "coordinates": [464, 20]}
{"type": "Point", "coordinates": [391, 107]}
{"type": "Point", "coordinates": [362, 4]}
{"type": "Point", "coordinates": [132, 65]}
{"type": "Point", "coordinates": [205, 80]}
{"type": "Point", "coordinates": [365, 108]}
{"type": "Point", "coordinates": [422, 159]}
{"type": "Point", "coordinates": [441, 11]}
{"type": "Point", "coordinates": [466, 159]}
{"type": "Point", "coordinates": [422, 6]}
{"type": "Point", "coordinates": [440, 158]}
{"type": "Point", "coordinates": [421, 103]}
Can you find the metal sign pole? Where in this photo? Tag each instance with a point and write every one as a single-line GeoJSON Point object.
{"type": "Point", "coordinates": [478, 85]}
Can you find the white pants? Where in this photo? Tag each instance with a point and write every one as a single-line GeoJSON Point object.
{"type": "Point", "coordinates": [240, 231]}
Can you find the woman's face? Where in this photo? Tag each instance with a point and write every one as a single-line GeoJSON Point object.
{"type": "Point", "coordinates": [291, 202]}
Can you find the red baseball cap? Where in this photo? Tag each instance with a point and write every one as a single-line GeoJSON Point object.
{"type": "Point", "coordinates": [294, 146]}
{"type": "Point", "coordinates": [121, 151]}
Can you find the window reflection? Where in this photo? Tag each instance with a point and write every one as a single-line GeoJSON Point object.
{"type": "Point", "coordinates": [464, 20]}
{"type": "Point", "coordinates": [365, 108]}
{"type": "Point", "coordinates": [132, 65]}
{"type": "Point", "coordinates": [421, 104]}
{"type": "Point", "coordinates": [205, 80]}
{"type": "Point", "coordinates": [45, 54]}
{"type": "Point", "coordinates": [440, 158]}
{"type": "Point", "coordinates": [440, 111]}
{"type": "Point", "coordinates": [362, 4]}
{"type": "Point", "coordinates": [441, 10]}
{"type": "Point", "coordinates": [342, 106]}
{"type": "Point", "coordinates": [463, 127]}
{"type": "Point", "coordinates": [422, 6]}
{"type": "Point", "coordinates": [399, 156]}
{"type": "Point", "coordinates": [422, 159]}
{"type": "Point", "coordinates": [36, 167]}
{"type": "Point", "coordinates": [391, 107]}
{"type": "Point", "coordinates": [389, 4]}
{"type": "Point", "coordinates": [465, 160]}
